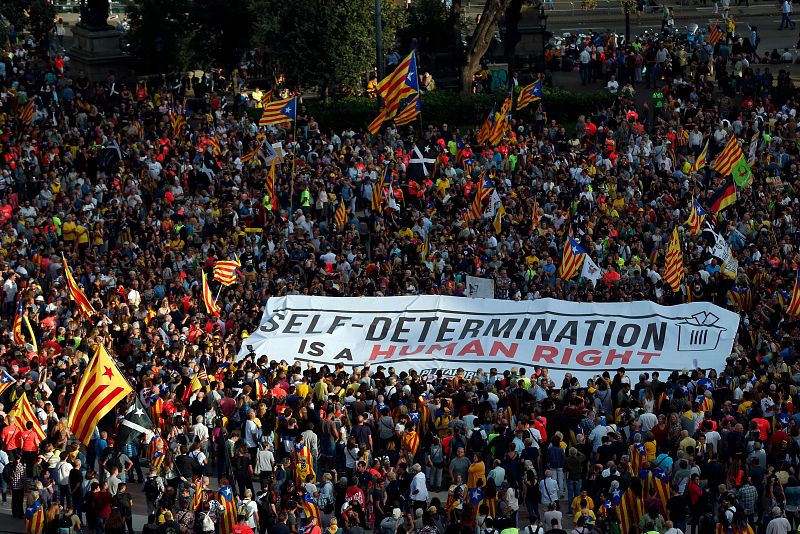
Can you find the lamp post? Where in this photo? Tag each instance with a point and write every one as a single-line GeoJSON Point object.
{"type": "Point", "coordinates": [627, 6]}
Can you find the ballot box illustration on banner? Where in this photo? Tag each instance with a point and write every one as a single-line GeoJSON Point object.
{"type": "Point", "coordinates": [699, 332]}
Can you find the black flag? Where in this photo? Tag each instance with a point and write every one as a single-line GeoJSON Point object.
{"type": "Point", "coordinates": [135, 423]}
{"type": "Point", "coordinates": [423, 160]}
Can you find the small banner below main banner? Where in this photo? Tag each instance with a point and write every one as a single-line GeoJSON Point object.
{"type": "Point", "coordinates": [479, 288]}
{"type": "Point", "coordinates": [435, 333]}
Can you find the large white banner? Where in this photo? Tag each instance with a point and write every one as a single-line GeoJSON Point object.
{"type": "Point", "coordinates": [430, 333]}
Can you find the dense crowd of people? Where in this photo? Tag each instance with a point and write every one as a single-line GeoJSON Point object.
{"type": "Point", "coordinates": [138, 205]}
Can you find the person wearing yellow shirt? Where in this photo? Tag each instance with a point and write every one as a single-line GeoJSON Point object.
{"type": "Point", "coordinates": [576, 507]}
{"type": "Point", "coordinates": [405, 232]}
{"type": "Point", "coordinates": [303, 390]}
{"type": "Point", "coordinates": [68, 229]}
{"type": "Point", "coordinates": [586, 513]}
{"type": "Point", "coordinates": [257, 96]}
{"type": "Point", "coordinates": [442, 185]}
{"type": "Point", "coordinates": [81, 239]}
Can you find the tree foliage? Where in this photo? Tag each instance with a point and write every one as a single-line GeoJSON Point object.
{"type": "Point", "coordinates": [337, 49]}
{"type": "Point", "coordinates": [188, 34]}
{"type": "Point", "coordinates": [35, 16]}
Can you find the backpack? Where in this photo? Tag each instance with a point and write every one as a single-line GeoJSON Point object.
{"type": "Point", "coordinates": [476, 442]}
{"type": "Point", "coordinates": [242, 510]}
{"type": "Point", "coordinates": [170, 527]}
{"type": "Point", "coordinates": [151, 490]}
{"type": "Point", "coordinates": [8, 470]}
{"type": "Point", "coordinates": [207, 523]}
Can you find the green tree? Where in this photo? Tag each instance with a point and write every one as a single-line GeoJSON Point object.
{"type": "Point", "coordinates": [184, 34]}
{"type": "Point", "coordinates": [35, 16]}
{"type": "Point", "coordinates": [318, 43]}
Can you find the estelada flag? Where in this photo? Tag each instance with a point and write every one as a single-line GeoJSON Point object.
{"type": "Point", "coordinates": [794, 303]}
{"type": "Point", "coordinates": [34, 518]}
{"type": "Point", "coordinates": [279, 112]}
{"type": "Point", "coordinates": [571, 259]}
{"type": "Point", "coordinates": [696, 218]}
{"type": "Point", "coordinates": [228, 510]}
{"type": "Point", "coordinates": [529, 94]}
{"type": "Point", "coordinates": [99, 391]}
{"type": "Point", "coordinates": [19, 338]}
{"type": "Point", "coordinates": [340, 217]}
{"type": "Point", "coordinates": [399, 84]}
{"type": "Point", "coordinates": [22, 413]}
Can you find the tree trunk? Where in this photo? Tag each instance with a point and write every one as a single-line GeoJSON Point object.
{"type": "Point", "coordinates": [481, 39]}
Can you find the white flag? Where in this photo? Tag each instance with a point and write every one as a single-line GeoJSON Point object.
{"type": "Point", "coordinates": [751, 156]}
{"type": "Point", "coordinates": [591, 271]}
{"type": "Point", "coordinates": [480, 288]}
{"type": "Point", "coordinates": [722, 251]}
{"type": "Point", "coordinates": [494, 204]}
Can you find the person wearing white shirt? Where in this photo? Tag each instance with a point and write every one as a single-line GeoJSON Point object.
{"type": "Point", "coordinates": [671, 529]}
{"type": "Point", "coordinates": [613, 85]}
{"type": "Point", "coordinates": [201, 432]}
{"type": "Point", "coordinates": [419, 488]}
{"type": "Point", "coordinates": [786, 12]}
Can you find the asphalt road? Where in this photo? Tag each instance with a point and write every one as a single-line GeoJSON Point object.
{"type": "Point", "coordinates": [767, 26]}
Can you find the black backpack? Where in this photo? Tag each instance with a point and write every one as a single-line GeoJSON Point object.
{"type": "Point", "coordinates": [476, 441]}
{"type": "Point", "coordinates": [8, 470]}
{"type": "Point", "coordinates": [151, 490]}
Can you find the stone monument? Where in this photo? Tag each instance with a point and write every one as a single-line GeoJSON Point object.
{"type": "Point", "coordinates": [96, 48]}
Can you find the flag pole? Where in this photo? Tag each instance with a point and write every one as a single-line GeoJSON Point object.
{"type": "Point", "coordinates": [294, 161]}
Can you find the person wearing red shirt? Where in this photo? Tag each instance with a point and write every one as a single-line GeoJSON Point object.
{"type": "Point", "coordinates": [29, 440]}
{"type": "Point", "coordinates": [10, 438]}
{"type": "Point", "coordinates": [101, 502]}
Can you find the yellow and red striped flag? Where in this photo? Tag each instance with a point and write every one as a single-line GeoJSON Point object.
{"type": "Point", "coordinates": [398, 85]}
{"type": "Point", "coordinates": [22, 413]}
{"type": "Point", "coordinates": [310, 507]}
{"type": "Point", "coordinates": [529, 94]}
{"type": "Point", "coordinates": [696, 218]}
{"type": "Point", "coordinates": [483, 194]}
{"type": "Point", "coordinates": [266, 98]}
{"type": "Point", "coordinates": [501, 121]}
{"type": "Point", "coordinates": [214, 144]}
{"type": "Point", "coordinates": [673, 273]}
{"type": "Point", "coordinates": [99, 391]}
{"type": "Point", "coordinates": [377, 190]}
{"type": "Point", "coordinates": [75, 292]}
{"type": "Point", "coordinates": [409, 113]}
{"type": "Point", "coordinates": [208, 299]}
{"type": "Point", "coordinates": [228, 520]}
{"type": "Point", "coordinates": [250, 156]}
{"type": "Point", "coordinates": [19, 338]}
{"type": "Point", "coordinates": [794, 303]}
{"type": "Point", "coordinates": [340, 217]}
{"type": "Point", "coordinates": [571, 259]}
{"type": "Point", "coordinates": [279, 112]}
{"type": "Point", "coordinates": [26, 113]}
{"type": "Point", "coordinates": [729, 156]}
{"type": "Point", "coordinates": [34, 518]}
{"type": "Point", "coordinates": [410, 441]}
{"type": "Point", "coordinates": [270, 185]}
{"type": "Point", "coordinates": [630, 510]}
{"type": "Point", "coordinates": [197, 496]}
{"type": "Point", "coordinates": [226, 271]}
{"type": "Point", "coordinates": [177, 121]}
{"type": "Point", "coordinates": [714, 34]}
{"type": "Point", "coordinates": [375, 126]}
{"type": "Point", "coordinates": [701, 160]}
{"type": "Point", "coordinates": [6, 381]}
{"type": "Point", "coordinates": [261, 388]}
